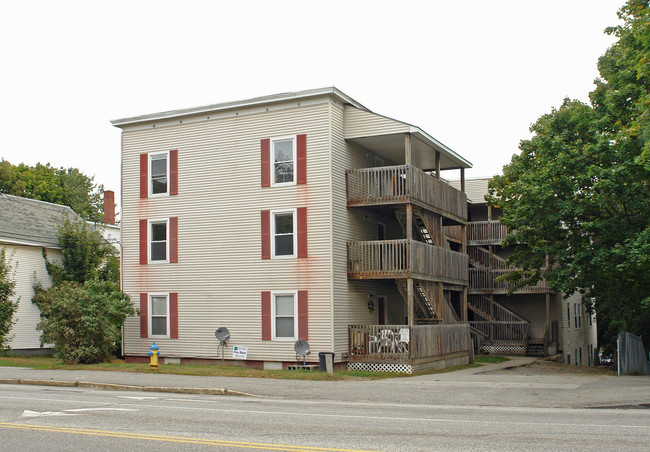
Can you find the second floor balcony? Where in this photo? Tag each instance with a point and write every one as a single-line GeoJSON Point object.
{"type": "Point", "coordinates": [403, 184]}
{"type": "Point", "coordinates": [484, 281]}
{"type": "Point", "coordinates": [403, 258]}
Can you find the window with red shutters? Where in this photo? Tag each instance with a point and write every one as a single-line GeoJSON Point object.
{"type": "Point", "coordinates": [159, 173]}
{"type": "Point", "coordinates": [283, 160]}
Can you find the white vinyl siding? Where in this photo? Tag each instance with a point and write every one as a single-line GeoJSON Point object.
{"type": "Point", "coordinates": [28, 263]}
{"type": "Point", "coordinates": [360, 123]}
{"type": "Point", "coordinates": [219, 230]}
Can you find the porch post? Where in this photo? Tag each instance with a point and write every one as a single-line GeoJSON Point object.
{"type": "Point", "coordinates": [463, 306]}
{"type": "Point", "coordinates": [439, 288]}
{"type": "Point", "coordinates": [462, 180]}
{"type": "Point", "coordinates": [410, 301]}
{"type": "Point", "coordinates": [548, 308]}
{"type": "Point", "coordinates": [407, 148]}
{"type": "Point", "coordinates": [437, 165]}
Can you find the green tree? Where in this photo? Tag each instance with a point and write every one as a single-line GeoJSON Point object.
{"type": "Point", "coordinates": [7, 305]}
{"type": "Point", "coordinates": [68, 187]}
{"type": "Point", "coordinates": [81, 314]}
{"type": "Point", "coordinates": [84, 251]}
{"type": "Point", "coordinates": [579, 191]}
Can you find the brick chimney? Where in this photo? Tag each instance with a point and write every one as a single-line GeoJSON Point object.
{"type": "Point", "coordinates": [109, 207]}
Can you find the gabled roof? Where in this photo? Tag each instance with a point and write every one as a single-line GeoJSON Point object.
{"type": "Point", "coordinates": [475, 189]}
{"type": "Point", "coordinates": [25, 221]}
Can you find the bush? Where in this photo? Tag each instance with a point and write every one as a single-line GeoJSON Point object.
{"type": "Point", "coordinates": [82, 320]}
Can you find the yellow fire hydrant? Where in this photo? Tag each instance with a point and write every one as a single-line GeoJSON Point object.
{"type": "Point", "coordinates": [153, 352]}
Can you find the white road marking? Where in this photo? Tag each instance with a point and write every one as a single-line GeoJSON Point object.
{"type": "Point", "coordinates": [69, 412]}
{"type": "Point", "coordinates": [137, 398]}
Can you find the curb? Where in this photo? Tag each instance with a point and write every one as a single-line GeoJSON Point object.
{"type": "Point", "coordinates": [118, 387]}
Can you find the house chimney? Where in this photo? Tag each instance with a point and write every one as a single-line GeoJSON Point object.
{"type": "Point", "coordinates": [109, 207]}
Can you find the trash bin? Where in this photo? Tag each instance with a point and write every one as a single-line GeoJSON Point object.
{"type": "Point", "coordinates": [321, 360]}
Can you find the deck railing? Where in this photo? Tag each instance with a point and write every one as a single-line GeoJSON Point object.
{"type": "Point", "coordinates": [486, 232]}
{"type": "Point", "coordinates": [403, 184]}
{"type": "Point", "coordinates": [391, 343]}
{"type": "Point", "coordinates": [389, 259]}
{"type": "Point", "coordinates": [503, 332]}
{"type": "Point", "coordinates": [482, 280]}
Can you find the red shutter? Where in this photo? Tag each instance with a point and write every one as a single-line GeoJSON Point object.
{"type": "Point", "coordinates": [301, 157]}
{"type": "Point", "coordinates": [173, 172]}
{"type": "Point", "coordinates": [144, 317]}
{"type": "Point", "coordinates": [143, 241]}
{"type": "Point", "coordinates": [173, 239]}
{"type": "Point", "coordinates": [173, 315]}
{"type": "Point", "coordinates": [303, 323]}
{"type": "Point", "coordinates": [266, 316]}
{"type": "Point", "coordinates": [302, 231]}
{"type": "Point", "coordinates": [144, 175]}
{"type": "Point", "coordinates": [266, 234]}
{"type": "Point", "coordinates": [266, 162]}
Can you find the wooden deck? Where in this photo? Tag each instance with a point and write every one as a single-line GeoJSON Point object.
{"type": "Point", "coordinates": [485, 233]}
{"type": "Point", "coordinates": [482, 281]}
{"type": "Point", "coordinates": [399, 259]}
{"type": "Point", "coordinates": [404, 184]}
{"type": "Point", "coordinates": [406, 344]}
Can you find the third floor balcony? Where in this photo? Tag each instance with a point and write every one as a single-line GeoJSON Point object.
{"type": "Point", "coordinates": [404, 184]}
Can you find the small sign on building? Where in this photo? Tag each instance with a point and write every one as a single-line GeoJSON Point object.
{"type": "Point", "coordinates": [404, 335]}
{"type": "Point", "coordinates": [239, 352]}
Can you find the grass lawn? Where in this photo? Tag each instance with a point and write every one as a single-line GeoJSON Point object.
{"type": "Point", "coordinates": [41, 362]}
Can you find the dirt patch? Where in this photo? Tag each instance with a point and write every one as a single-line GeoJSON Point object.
{"type": "Point", "coordinates": [553, 368]}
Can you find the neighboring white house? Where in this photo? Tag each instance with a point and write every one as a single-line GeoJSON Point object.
{"type": "Point", "coordinates": [293, 216]}
{"type": "Point", "coordinates": [27, 227]}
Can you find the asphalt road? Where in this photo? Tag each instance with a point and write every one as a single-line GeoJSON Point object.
{"type": "Point", "coordinates": [37, 418]}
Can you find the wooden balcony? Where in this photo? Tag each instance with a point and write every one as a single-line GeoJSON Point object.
{"type": "Point", "coordinates": [503, 333]}
{"type": "Point", "coordinates": [404, 184]}
{"type": "Point", "coordinates": [482, 281]}
{"type": "Point", "coordinates": [399, 259]}
{"type": "Point", "coordinates": [485, 233]}
{"type": "Point", "coordinates": [406, 344]}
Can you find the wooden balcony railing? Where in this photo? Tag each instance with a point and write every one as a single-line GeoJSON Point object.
{"type": "Point", "coordinates": [404, 184]}
{"type": "Point", "coordinates": [402, 343]}
{"type": "Point", "coordinates": [397, 259]}
{"type": "Point", "coordinates": [482, 280]}
{"type": "Point", "coordinates": [485, 232]}
{"type": "Point", "coordinates": [503, 332]}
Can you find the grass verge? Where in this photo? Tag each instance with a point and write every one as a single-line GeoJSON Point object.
{"type": "Point", "coordinates": [41, 362]}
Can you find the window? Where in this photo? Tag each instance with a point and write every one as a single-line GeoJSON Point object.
{"type": "Point", "coordinates": [159, 169]}
{"type": "Point", "coordinates": [285, 315]}
{"type": "Point", "coordinates": [568, 314]}
{"type": "Point", "coordinates": [575, 316]}
{"type": "Point", "coordinates": [158, 240]}
{"type": "Point", "coordinates": [580, 323]}
{"type": "Point", "coordinates": [283, 153]}
{"type": "Point", "coordinates": [159, 315]}
{"type": "Point", "coordinates": [283, 227]}
{"type": "Point", "coordinates": [285, 321]}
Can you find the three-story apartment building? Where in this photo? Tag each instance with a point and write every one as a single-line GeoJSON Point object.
{"type": "Point", "coordinates": [294, 216]}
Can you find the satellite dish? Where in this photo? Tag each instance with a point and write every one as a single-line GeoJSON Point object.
{"type": "Point", "coordinates": [301, 347]}
{"type": "Point", "coordinates": [222, 334]}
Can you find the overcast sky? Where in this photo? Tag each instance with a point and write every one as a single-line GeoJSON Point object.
{"type": "Point", "coordinates": [474, 74]}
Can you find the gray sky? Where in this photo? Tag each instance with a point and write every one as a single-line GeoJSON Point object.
{"type": "Point", "coordinates": [473, 74]}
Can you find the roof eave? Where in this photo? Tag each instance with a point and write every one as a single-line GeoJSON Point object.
{"type": "Point", "coordinates": [256, 101]}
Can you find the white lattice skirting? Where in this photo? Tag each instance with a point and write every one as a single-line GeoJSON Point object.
{"type": "Point", "coordinates": [410, 368]}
